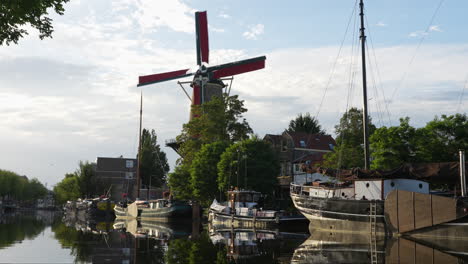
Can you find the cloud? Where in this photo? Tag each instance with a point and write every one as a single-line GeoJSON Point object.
{"type": "Point", "coordinates": [254, 31]}
{"type": "Point", "coordinates": [435, 28]}
{"type": "Point", "coordinates": [420, 33]}
{"type": "Point", "coordinates": [222, 14]}
{"type": "Point", "coordinates": [381, 24]}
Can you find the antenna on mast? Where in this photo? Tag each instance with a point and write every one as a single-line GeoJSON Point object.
{"type": "Point", "coordinates": [365, 117]}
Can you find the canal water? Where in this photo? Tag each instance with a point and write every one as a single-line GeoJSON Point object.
{"type": "Point", "coordinates": [44, 237]}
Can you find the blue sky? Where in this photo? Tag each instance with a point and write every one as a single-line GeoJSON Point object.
{"type": "Point", "coordinates": [74, 97]}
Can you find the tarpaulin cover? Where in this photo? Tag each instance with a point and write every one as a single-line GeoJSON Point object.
{"type": "Point", "coordinates": [443, 172]}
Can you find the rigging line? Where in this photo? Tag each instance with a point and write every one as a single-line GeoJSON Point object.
{"type": "Point", "coordinates": [423, 37]}
{"type": "Point", "coordinates": [354, 55]}
{"type": "Point", "coordinates": [336, 60]}
{"type": "Point", "coordinates": [461, 94]}
{"type": "Point", "coordinates": [378, 72]}
{"type": "Point", "coordinates": [334, 65]}
{"type": "Point", "coordinates": [376, 91]}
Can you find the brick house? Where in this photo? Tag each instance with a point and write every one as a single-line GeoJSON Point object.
{"type": "Point", "coordinates": [119, 174]}
{"type": "Point", "coordinates": [297, 148]}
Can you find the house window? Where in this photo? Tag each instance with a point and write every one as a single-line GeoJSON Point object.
{"type": "Point", "coordinates": [297, 167]}
{"type": "Point", "coordinates": [129, 164]}
{"type": "Point", "coordinates": [331, 146]}
{"type": "Point", "coordinates": [283, 145]}
{"type": "Point", "coordinates": [128, 175]}
{"type": "Point", "coordinates": [302, 142]}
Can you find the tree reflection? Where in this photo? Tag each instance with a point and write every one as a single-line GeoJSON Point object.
{"type": "Point", "coordinates": [17, 229]}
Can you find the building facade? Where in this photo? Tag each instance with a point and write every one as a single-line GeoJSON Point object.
{"type": "Point", "coordinates": [119, 174]}
{"type": "Point", "coordinates": [295, 149]}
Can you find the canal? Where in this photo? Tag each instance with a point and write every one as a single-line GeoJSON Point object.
{"type": "Point", "coordinates": [44, 237]}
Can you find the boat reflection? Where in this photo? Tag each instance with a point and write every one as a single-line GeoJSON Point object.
{"type": "Point", "coordinates": [154, 229]}
{"type": "Point", "coordinates": [354, 246]}
{"type": "Point", "coordinates": [255, 245]}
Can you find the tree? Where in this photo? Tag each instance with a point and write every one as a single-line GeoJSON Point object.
{"type": "Point", "coordinates": [14, 186]}
{"type": "Point", "coordinates": [204, 171]}
{"type": "Point", "coordinates": [67, 189]}
{"type": "Point", "coordinates": [86, 175]}
{"type": "Point", "coordinates": [395, 145]}
{"type": "Point", "coordinates": [305, 123]}
{"type": "Point", "coordinates": [444, 136]}
{"type": "Point", "coordinates": [220, 119]}
{"type": "Point", "coordinates": [153, 161]}
{"type": "Point", "coordinates": [15, 14]}
{"type": "Point", "coordinates": [179, 182]}
{"type": "Point", "coordinates": [250, 164]}
{"type": "Point", "coordinates": [349, 151]}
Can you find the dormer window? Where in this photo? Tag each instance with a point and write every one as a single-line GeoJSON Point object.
{"type": "Point", "coordinates": [302, 142]}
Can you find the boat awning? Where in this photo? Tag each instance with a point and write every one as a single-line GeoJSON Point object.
{"type": "Point", "coordinates": [442, 172]}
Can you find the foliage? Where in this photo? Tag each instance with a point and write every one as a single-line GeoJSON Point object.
{"type": "Point", "coordinates": [251, 164]}
{"type": "Point", "coordinates": [438, 141]}
{"type": "Point", "coordinates": [18, 13]}
{"type": "Point", "coordinates": [444, 137]}
{"type": "Point", "coordinates": [180, 183]}
{"type": "Point", "coordinates": [81, 183]}
{"type": "Point", "coordinates": [67, 189]}
{"type": "Point", "coordinates": [153, 165]}
{"type": "Point", "coordinates": [220, 119]}
{"type": "Point", "coordinates": [204, 171]}
{"type": "Point", "coordinates": [20, 188]}
{"type": "Point", "coordinates": [305, 123]}
{"type": "Point", "coordinates": [395, 145]}
{"type": "Point", "coordinates": [349, 152]}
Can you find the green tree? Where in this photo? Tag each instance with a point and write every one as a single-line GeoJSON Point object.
{"type": "Point", "coordinates": [67, 189]}
{"type": "Point", "coordinates": [179, 181]}
{"type": "Point", "coordinates": [15, 14]}
{"type": "Point", "coordinates": [349, 152]}
{"type": "Point", "coordinates": [392, 146]}
{"type": "Point", "coordinates": [86, 174]}
{"type": "Point", "coordinates": [305, 123]}
{"type": "Point", "coordinates": [19, 188]}
{"type": "Point", "coordinates": [204, 171]}
{"type": "Point", "coordinates": [153, 165]}
{"type": "Point", "coordinates": [220, 119]}
{"type": "Point", "coordinates": [444, 136]}
{"type": "Point", "coordinates": [250, 164]}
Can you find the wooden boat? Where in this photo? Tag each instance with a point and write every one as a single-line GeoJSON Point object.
{"type": "Point", "coordinates": [355, 198]}
{"type": "Point", "coordinates": [243, 210]}
{"type": "Point", "coordinates": [154, 209]}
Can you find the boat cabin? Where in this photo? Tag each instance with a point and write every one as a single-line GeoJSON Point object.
{"type": "Point", "coordinates": [363, 189]}
{"type": "Point", "coordinates": [243, 198]}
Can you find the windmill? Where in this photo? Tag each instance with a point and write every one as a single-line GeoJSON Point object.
{"type": "Point", "coordinates": [207, 80]}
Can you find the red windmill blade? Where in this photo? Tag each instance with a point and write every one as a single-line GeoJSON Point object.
{"type": "Point", "coordinates": [201, 28]}
{"type": "Point", "coordinates": [206, 82]}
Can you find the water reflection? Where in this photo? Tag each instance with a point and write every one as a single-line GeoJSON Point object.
{"type": "Point", "coordinates": [357, 247]}
{"type": "Point", "coordinates": [255, 246]}
{"type": "Point", "coordinates": [159, 242]}
{"type": "Point", "coordinates": [15, 230]}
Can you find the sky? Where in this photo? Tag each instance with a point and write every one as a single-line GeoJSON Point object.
{"type": "Point", "coordinates": [74, 97]}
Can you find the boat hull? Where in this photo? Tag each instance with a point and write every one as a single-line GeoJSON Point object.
{"type": "Point", "coordinates": [176, 211]}
{"type": "Point", "coordinates": [340, 215]}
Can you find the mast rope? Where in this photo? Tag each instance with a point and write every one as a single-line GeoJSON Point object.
{"type": "Point", "coordinates": [377, 69]}
{"type": "Point", "coordinates": [423, 37]}
{"type": "Point", "coordinates": [460, 101]}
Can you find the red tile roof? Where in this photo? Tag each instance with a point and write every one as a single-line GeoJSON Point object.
{"type": "Point", "coordinates": [312, 141]}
